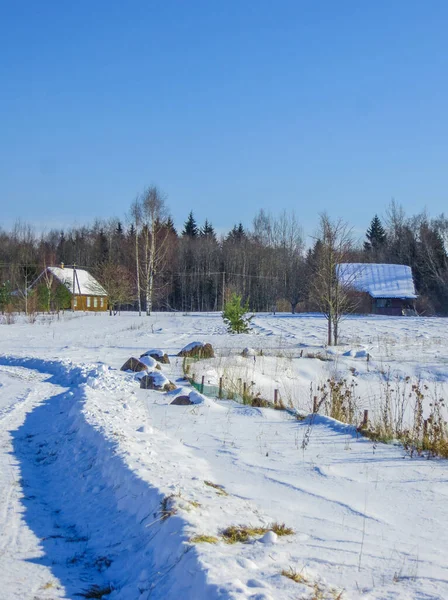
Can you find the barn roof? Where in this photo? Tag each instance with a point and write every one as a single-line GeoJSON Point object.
{"type": "Point", "coordinates": [378, 280]}
{"type": "Point", "coordinates": [85, 284]}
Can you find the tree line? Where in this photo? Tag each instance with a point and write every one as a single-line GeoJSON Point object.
{"type": "Point", "coordinates": [145, 264]}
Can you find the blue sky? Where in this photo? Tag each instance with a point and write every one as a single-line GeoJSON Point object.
{"type": "Point", "coordinates": [228, 106]}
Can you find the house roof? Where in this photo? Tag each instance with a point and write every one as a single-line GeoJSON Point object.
{"type": "Point", "coordinates": [378, 280]}
{"type": "Point", "coordinates": [85, 284]}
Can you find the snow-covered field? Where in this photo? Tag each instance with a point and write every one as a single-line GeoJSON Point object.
{"type": "Point", "coordinates": [104, 484]}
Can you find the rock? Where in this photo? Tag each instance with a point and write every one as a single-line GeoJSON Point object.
{"type": "Point", "coordinates": [157, 355]}
{"type": "Point", "coordinates": [197, 350]}
{"type": "Point", "coordinates": [182, 401]}
{"type": "Point", "coordinates": [248, 352]}
{"type": "Point", "coordinates": [154, 381]}
{"type": "Point", "coordinates": [148, 361]}
{"type": "Point", "coordinates": [169, 387]}
{"type": "Point", "coordinates": [134, 364]}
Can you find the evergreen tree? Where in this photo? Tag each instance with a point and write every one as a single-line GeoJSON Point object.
{"type": "Point", "coordinates": [237, 234]}
{"type": "Point", "coordinates": [376, 235]}
{"type": "Point", "coordinates": [169, 224]}
{"type": "Point", "coordinates": [5, 295]}
{"type": "Point", "coordinates": [208, 231]}
{"type": "Point", "coordinates": [190, 227]}
{"type": "Point", "coordinates": [235, 315]}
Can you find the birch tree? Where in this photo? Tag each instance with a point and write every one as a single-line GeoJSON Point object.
{"type": "Point", "coordinates": [155, 236]}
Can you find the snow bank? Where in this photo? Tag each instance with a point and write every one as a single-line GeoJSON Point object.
{"type": "Point", "coordinates": [103, 461]}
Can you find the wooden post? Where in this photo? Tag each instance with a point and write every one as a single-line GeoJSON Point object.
{"type": "Point", "coordinates": [275, 396]}
{"type": "Point", "coordinates": [202, 384]}
{"type": "Point", "coordinates": [244, 391]}
{"type": "Point", "coordinates": [193, 377]}
{"type": "Point", "coordinates": [315, 404]}
{"type": "Point", "coordinates": [220, 388]}
{"type": "Point", "coordinates": [365, 420]}
{"type": "Point", "coordinates": [425, 427]}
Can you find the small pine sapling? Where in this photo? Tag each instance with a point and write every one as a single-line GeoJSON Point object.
{"type": "Point", "coordinates": [235, 315]}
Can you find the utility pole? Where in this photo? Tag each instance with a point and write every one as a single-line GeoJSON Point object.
{"type": "Point", "coordinates": [74, 275]}
{"type": "Point", "coordinates": [223, 289]}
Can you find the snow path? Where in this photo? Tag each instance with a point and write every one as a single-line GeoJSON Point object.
{"type": "Point", "coordinates": [73, 514]}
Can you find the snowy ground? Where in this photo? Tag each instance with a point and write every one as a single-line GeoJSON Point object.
{"type": "Point", "coordinates": [102, 483]}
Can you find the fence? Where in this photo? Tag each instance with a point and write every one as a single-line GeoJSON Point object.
{"type": "Point", "coordinates": [220, 393]}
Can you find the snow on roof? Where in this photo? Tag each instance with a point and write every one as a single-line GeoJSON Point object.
{"type": "Point", "coordinates": [378, 280]}
{"type": "Point", "coordinates": [85, 284]}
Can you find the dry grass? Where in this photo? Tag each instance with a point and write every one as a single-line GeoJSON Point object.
{"type": "Point", "coordinates": [421, 437]}
{"type": "Point", "coordinates": [204, 539]}
{"type": "Point", "coordinates": [96, 592]}
{"type": "Point", "coordinates": [243, 533]}
{"type": "Point", "coordinates": [319, 356]}
{"type": "Point", "coordinates": [319, 591]}
{"type": "Point", "coordinates": [219, 488]}
{"type": "Point", "coordinates": [296, 576]}
{"type": "Point", "coordinates": [49, 585]}
{"type": "Point", "coordinates": [166, 508]}
{"type": "Point", "coordinates": [280, 529]}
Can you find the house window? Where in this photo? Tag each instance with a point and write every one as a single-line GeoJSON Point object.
{"type": "Point", "coordinates": [95, 302]}
{"type": "Point", "coordinates": [101, 302]}
{"type": "Point", "coordinates": [75, 302]}
{"type": "Point", "coordinates": [384, 302]}
{"type": "Point", "coordinates": [88, 301]}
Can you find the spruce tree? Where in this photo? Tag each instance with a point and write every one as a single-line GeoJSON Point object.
{"type": "Point", "coordinates": [376, 235]}
{"type": "Point", "coordinates": [169, 224]}
{"type": "Point", "coordinates": [235, 315]}
{"type": "Point", "coordinates": [208, 231]}
{"type": "Point", "coordinates": [190, 227]}
{"type": "Point", "coordinates": [237, 234]}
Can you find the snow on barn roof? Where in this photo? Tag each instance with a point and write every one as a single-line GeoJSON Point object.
{"type": "Point", "coordinates": [378, 280]}
{"type": "Point", "coordinates": [85, 284]}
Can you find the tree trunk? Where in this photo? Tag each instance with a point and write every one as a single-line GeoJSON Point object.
{"type": "Point", "coordinates": [152, 268]}
{"type": "Point", "coordinates": [137, 262]}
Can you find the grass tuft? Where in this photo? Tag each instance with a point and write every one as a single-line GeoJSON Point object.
{"type": "Point", "coordinates": [242, 533]}
{"type": "Point", "coordinates": [294, 575]}
{"type": "Point", "coordinates": [96, 592]}
{"type": "Point", "coordinates": [219, 488]}
{"type": "Point", "coordinates": [204, 539]}
{"type": "Point", "coordinates": [281, 529]}
{"type": "Point", "coordinates": [166, 507]}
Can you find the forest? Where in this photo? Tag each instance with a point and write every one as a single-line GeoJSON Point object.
{"type": "Point", "coordinates": [146, 264]}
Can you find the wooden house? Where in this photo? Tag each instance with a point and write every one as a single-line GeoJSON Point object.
{"type": "Point", "coordinates": [85, 292]}
{"type": "Point", "coordinates": [381, 288]}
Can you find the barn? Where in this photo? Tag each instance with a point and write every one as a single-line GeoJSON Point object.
{"type": "Point", "coordinates": [387, 289]}
{"type": "Point", "coordinates": [85, 291]}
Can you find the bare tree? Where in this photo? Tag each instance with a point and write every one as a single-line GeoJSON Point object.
{"type": "Point", "coordinates": [155, 239]}
{"type": "Point", "coordinates": [288, 240]}
{"type": "Point", "coordinates": [136, 214]}
{"type": "Point", "coordinates": [117, 280]}
{"type": "Point", "coordinates": [331, 291]}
